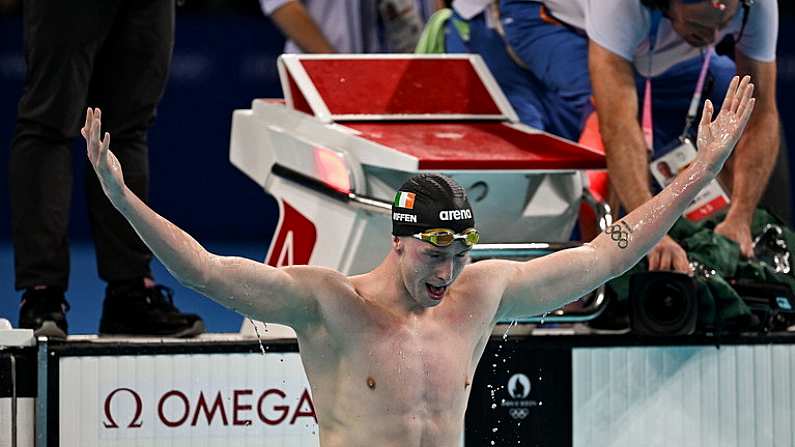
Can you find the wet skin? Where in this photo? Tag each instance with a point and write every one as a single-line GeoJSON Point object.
{"type": "Point", "coordinates": [397, 374]}
{"type": "Point", "coordinates": [389, 359]}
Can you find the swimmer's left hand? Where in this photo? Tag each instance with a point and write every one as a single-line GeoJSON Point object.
{"type": "Point", "coordinates": [716, 139]}
{"type": "Point", "coordinates": [739, 232]}
{"type": "Point", "coordinates": [106, 165]}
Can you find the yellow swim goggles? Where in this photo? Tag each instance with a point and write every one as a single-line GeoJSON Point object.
{"type": "Point", "coordinates": [443, 237]}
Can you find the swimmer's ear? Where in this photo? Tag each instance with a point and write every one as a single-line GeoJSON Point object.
{"type": "Point", "coordinates": [396, 244]}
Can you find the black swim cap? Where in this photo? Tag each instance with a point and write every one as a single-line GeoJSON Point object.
{"type": "Point", "coordinates": [428, 201]}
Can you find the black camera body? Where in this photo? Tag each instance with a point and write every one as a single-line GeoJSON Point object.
{"type": "Point", "coordinates": [772, 304]}
{"type": "Point", "coordinates": [662, 303]}
{"type": "Point", "coordinates": [666, 303]}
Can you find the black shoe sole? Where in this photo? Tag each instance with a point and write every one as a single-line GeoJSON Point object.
{"type": "Point", "coordinates": [192, 331]}
{"type": "Point", "coordinates": [51, 330]}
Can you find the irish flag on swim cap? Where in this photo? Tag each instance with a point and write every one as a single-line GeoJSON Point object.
{"type": "Point", "coordinates": [404, 199]}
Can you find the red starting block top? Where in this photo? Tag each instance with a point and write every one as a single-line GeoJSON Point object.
{"type": "Point", "coordinates": [445, 111]}
{"type": "Point", "coordinates": [479, 146]}
{"type": "Point", "coordinates": [392, 87]}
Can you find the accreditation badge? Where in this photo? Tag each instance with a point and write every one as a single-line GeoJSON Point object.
{"type": "Point", "coordinates": [710, 200]}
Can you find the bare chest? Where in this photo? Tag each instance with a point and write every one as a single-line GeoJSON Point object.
{"type": "Point", "coordinates": [408, 370]}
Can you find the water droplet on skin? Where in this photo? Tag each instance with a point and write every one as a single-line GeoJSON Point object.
{"type": "Point", "coordinates": [508, 329]}
{"type": "Point", "coordinates": [259, 339]}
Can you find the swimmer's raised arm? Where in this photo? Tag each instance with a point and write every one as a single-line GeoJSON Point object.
{"type": "Point", "coordinates": [547, 283]}
{"type": "Point", "coordinates": [252, 288]}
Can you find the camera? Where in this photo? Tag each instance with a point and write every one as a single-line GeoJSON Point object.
{"type": "Point", "coordinates": [772, 304]}
{"type": "Point", "coordinates": [662, 303]}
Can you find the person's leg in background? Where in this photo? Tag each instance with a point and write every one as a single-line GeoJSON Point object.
{"type": "Point", "coordinates": [476, 36]}
{"type": "Point", "coordinates": [556, 59]}
{"type": "Point", "coordinates": [61, 40]}
{"type": "Point", "coordinates": [130, 76]}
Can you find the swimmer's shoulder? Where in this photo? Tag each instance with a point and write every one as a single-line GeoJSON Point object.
{"type": "Point", "coordinates": [322, 280]}
{"type": "Point", "coordinates": [330, 285]}
{"type": "Point", "coordinates": [489, 269]}
{"type": "Point", "coordinates": [480, 277]}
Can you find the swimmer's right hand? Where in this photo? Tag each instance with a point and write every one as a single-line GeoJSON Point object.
{"type": "Point", "coordinates": [106, 165]}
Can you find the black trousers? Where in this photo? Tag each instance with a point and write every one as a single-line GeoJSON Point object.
{"type": "Point", "coordinates": [112, 54]}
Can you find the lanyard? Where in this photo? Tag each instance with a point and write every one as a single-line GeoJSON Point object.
{"type": "Point", "coordinates": [646, 120]}
{"type": "Point", "coordinates": [695, 101]}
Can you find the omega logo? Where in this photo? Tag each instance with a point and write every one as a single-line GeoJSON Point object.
{"type": "Point", "coordinates": [139, 407]}
{"type": "Point", "coordinates": [207, 409]}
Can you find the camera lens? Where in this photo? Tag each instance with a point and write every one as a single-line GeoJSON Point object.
{"type": "Point", "coordinates": [665, 304]}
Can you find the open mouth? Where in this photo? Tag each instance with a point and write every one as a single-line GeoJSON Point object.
{"type": "Point", "coordinates": [436, 293]}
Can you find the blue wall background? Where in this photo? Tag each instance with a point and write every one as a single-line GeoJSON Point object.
{"type": "Point", "coordinates": [220, 63]}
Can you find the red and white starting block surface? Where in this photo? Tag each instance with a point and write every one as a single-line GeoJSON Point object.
{"type": "Point", "coordinates": [352, 129]}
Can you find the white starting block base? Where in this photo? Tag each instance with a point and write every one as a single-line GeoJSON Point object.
{"type": "Point", "coordinates": [16, 337]}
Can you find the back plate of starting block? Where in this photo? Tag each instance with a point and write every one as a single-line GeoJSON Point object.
{"type": "Point", "coordinates": [392, 87]}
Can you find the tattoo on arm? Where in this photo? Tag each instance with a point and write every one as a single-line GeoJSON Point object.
{"type": "Point", "coordinates": [621, 233]}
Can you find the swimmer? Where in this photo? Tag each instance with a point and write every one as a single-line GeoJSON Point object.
{"type": "Point", "coordinates": [390, 354]}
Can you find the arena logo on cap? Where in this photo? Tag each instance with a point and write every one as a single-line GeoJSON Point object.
{"type": "Point", "coordinates": [402, 217]}
{"type": "Point", "coordinates": [455, 214]}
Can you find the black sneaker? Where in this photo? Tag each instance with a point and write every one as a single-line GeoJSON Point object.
{"type": "Point", "coordinates": [132, 309]}
{"type": "Point", "coordinates": [44, 311]}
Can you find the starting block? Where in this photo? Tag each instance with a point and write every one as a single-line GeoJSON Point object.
{"type": "Point", "coordinates": [352, 128]}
